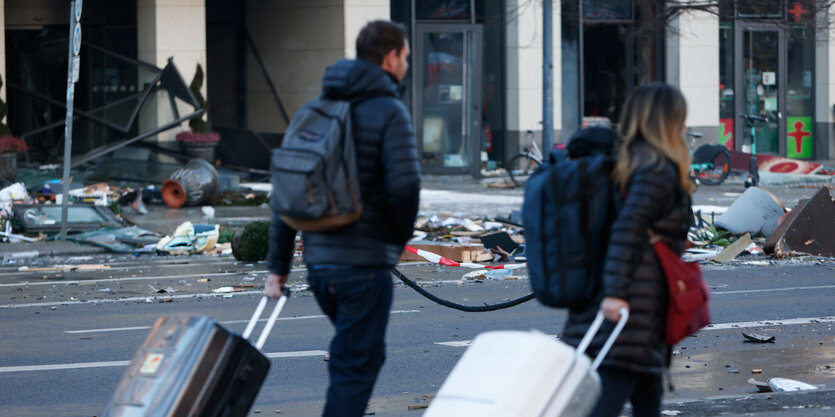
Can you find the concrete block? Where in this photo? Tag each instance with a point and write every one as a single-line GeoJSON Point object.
{"type": "Point", "coordinates": [807, 229]}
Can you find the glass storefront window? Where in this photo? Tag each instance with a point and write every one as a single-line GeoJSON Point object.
{"type": "Point", "coordinates": [761, 80]}
{"type": "Point", "coordinates": [607, 9]}
{"type": "Point", "coordinates": [491, 15]}
{"type": "Point", "coordinates": [799, 108]}
{"type": "Point", "coordinates": [442, 10]}
{"type": "Point", "coordinates": [448, 76]}
{"type": "Point", "coordinates": [759, 9]}
{"type": "Point", "coordinates": [605, 70]}
{"type": "Point", "coordinates": [726, 10]}
{"type": "Point", "coordinates": [726, 84]}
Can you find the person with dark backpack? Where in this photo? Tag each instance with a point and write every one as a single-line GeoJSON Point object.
{"type": "Point", "coordinates": [652, 182]}
{"type": "Point", "coordinates": [570, 204]}
{"type": "Point", "coordinates": [349, 179]}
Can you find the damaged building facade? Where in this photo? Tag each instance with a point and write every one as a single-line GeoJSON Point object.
{"type": "Point", "coordinates": [475, 88]}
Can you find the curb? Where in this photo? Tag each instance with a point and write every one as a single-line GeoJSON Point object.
{"type": "Point", "coordinates": [39, 252]}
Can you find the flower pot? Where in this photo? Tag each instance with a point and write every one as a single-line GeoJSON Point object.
{"type": "Point", "coordinates": [204, 151]}
{"type": "Point", "coordinates": [8, 165]}
{"type": "Point", "coordinates": [191, 185]}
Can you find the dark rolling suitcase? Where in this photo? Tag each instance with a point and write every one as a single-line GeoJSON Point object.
{"type": "Point", "coordinates": [192, 366]}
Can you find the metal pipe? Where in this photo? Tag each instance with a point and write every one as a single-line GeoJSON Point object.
{"type": "Point", "coordinates": [267, 77]}
{"type": "Point", "coordinates": [547, 76]}
{"type": "Point", "coordinates": [87, 114]}
{"type": "Point", "coordinates": [104, 150]}
{"type": "Point", "coordinates": [68, 126]}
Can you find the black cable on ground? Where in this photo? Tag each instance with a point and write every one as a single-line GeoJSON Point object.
{"type": "Point", "coordinates": [450, 304]}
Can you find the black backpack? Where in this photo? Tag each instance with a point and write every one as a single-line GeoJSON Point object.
{"type": "Point", "coordinates": [570, 205]}
{"type": "Point", "coordinates": [314, 171]}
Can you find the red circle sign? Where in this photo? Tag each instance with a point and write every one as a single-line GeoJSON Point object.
{"type": "Point", "coordinates": [784, 167]}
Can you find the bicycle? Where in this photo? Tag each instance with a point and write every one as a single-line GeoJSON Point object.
{"type": "Point", "coordinates": [520, 166]}
{"type": "Point", "coordinates": [711, 163]}
{"type": "Point", "coordinates": [753, 178]}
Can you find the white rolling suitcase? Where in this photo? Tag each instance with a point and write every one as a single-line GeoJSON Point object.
{"type": "Point", "coordinates": [523, 374]}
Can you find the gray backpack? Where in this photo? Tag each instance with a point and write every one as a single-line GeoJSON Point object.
{"type": "Point", "coordinates": [314, 171]}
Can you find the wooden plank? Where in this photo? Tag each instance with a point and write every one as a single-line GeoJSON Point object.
{"type": "Point", "coordinates": [459, 252]}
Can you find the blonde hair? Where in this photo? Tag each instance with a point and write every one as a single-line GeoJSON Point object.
{"type": "Point", "coordinates": [654, 112]}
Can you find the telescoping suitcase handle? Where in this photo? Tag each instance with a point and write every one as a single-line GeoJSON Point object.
{"type": "Point", "coordinates": [270, 322]}
{"type": "Point", "coordinates": [595, 326]}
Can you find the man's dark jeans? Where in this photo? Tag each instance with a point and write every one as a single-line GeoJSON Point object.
{"type": "Point", "coordinates": [643, 391]}
{"type": "Point", "coordinates": [357, 301]}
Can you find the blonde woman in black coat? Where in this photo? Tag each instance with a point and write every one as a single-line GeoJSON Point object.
{"type": "Point", "coordinates": [651, 173]}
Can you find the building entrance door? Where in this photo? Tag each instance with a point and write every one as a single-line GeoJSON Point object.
{"type": "Point", "coordinates": [761, 77]}
{"type": "Point", "coordinates": [447, 97]}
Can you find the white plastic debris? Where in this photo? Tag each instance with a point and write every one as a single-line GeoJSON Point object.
{"type": "Point", "coordinates": [11, 193]}
{"type": "Point", "coordinates": [492, 225]}
{"type": "Point", "coordinates": [208, 212]}
{"type": "Point", "coordinates": [453, 221]}
{"type": "Point", "coordinates": [788, 385]}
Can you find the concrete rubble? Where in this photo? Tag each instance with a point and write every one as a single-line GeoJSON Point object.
{"type": "Point", "coordinates": [109, 208]}
{"type": "Point", "coordinates": [807, 229]}
{"type": "Point", "coordinates": [757, 224]}
{"type": "Point", "coordinates": [736, 233]}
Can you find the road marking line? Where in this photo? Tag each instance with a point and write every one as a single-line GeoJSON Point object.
{"type": "Point", "coordinates": [102, 280]}
{"type": "Point", "coordinates": [298, 354]}
{"type": "Point", "coordinates": [120, 266]}
{"type": "Point", "coordinates": [65, 366]}
{"type": "Point", "coordinates": [62, 366]}
{"type": "Point", "coordinates": [766, 323]}
{"type": "Point", "coordinates": [817, 287]}
{"type": "Point", "coordinates": [463, 343]}
{"type": "Point", "coordinates": [718, 326]}
{"type": "Point", "coordinates": [124, 329]}
{"type": "Point", "coordinates": [125, 279]}
{"type": "Point", "coordinates": [154, 298]}
{"type": "Point", "coordinates": [113, 329]}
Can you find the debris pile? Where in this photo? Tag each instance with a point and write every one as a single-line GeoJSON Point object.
{"type": "Point", "coordinates": [104, 206]}
{"type": "Point", "coordinates": [462, 239]}
{"type": "Point", "coordinates": [757, 224]}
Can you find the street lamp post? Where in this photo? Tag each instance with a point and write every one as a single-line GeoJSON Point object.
{"type": "Point", "coordinates": [547, 76]}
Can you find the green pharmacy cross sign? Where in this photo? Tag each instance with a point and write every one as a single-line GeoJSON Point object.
{"type": "Point", "coordinates": [799, 140]}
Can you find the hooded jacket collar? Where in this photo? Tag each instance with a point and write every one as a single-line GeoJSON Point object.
{"type": "Point", "coordinates": [352, 80]}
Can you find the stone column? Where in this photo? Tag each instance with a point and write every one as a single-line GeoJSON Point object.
{"type": "Point", "coordinates": [693, 65]}
{"type": "Point", "coordinates": [825, 86]}
{"type": "Point", "coordinates": [357, 14]}
{"type": "Point", "coordinates": [297, 39]}
{"type": "Point", "coordinates": [171, 28]}
{"type": "Point", "coordinates": [3, 48]}
{"type": "Point", "coordinates": [524, 73]}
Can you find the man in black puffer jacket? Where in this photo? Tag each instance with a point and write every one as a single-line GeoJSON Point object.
{"type": "Point", "coordinates": [349, 269]}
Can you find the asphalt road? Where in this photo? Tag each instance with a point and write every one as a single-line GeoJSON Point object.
{"type": "Point", "coordinates": [67, 335]}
